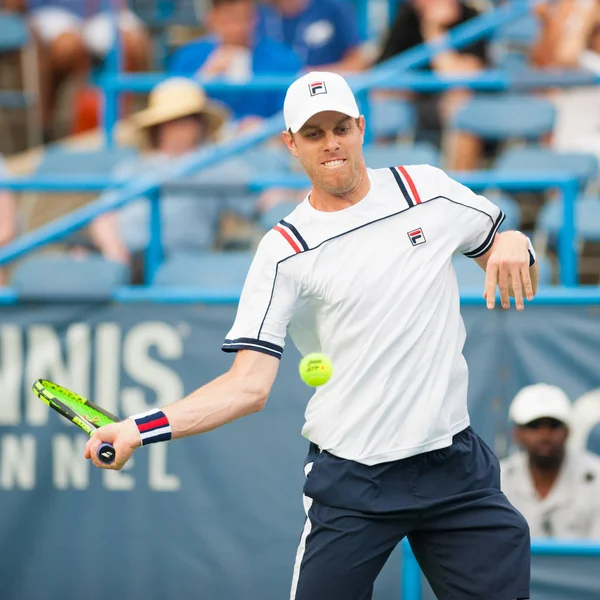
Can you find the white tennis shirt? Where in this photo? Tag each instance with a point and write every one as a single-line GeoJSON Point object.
{"type": "Point", "coordinates": [372, 286]}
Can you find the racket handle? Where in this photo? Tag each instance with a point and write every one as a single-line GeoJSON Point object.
{"type": "Point", "coordinates": [106, 454]}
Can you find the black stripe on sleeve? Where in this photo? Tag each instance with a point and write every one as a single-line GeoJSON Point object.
{"type": "Point", "coordinates": [296, 233]}
{"type": "Point", "coordinates": [487, 244]}
{"type": "Point", "coordinates": [252, 344]}
{"type": "Point", "coordinates": [402, 187]}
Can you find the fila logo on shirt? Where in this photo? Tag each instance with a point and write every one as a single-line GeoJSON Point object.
{"type": "Point", "coordinates": [318, 87]}
{"type": "Point", "coordinates": [416, 237]}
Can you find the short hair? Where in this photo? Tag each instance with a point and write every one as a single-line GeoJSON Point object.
{"type": "Point", "coordinates": [217, 3]}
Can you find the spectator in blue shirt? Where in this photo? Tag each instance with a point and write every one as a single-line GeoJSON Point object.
{"type": "Point", "coordinates": [235, 51]}
{"type": "Point", "coordinates": [323, 33]}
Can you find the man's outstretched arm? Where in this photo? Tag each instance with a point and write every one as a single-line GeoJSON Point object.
{"type": "Point", "coordinates": [241, 391]}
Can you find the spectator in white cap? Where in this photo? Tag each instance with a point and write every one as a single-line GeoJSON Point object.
{"type": "Point", "coordinates": [557, 491]}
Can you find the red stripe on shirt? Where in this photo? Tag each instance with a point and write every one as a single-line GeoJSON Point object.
{"type": "Point", "coordinates": [411, 184]}
{"type": "Point", "coordinates": [162, 422]}
{"type": "Point", "coordinates": [288, 237]}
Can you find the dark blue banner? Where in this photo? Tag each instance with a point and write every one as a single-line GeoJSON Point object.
{"type": "Point", "coordinates": [219, 516]}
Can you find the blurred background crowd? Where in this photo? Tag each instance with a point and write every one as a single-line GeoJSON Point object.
{"type": "Point", "coordinates": [54, 56]}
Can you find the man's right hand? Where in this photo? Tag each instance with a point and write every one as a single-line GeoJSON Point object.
{"type": "Point", "coordinates": [123, 436]}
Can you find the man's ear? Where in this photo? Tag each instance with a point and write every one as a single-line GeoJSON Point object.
{"type": "Point", "coordinates": [360, 122]}
{"type": "Point", "coordinates": [288, 140]}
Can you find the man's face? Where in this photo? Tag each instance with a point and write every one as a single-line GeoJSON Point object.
{"type": "Point", "coordinates": [329, 147]}
{"type": "Point", "coordinates": [544, 441]}
{"type": "Point", "coordinates": [234, 22]}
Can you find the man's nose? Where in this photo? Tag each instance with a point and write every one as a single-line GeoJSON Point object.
{"type": "Point", "coordinates": [331, 141]}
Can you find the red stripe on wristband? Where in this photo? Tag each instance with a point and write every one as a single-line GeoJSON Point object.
{"type": "Point", "coordinates": [161, 422]}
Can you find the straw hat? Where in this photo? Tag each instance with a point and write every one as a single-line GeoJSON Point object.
{"type": "Point", "coordinates": [178, 97]}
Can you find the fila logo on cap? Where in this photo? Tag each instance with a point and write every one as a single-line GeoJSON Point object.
{"type": "Point", "coordinates": [318, 87]}
{"type": "Point", "coordinates": [416, 237]}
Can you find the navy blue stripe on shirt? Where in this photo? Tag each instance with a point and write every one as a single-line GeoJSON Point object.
{"type": "Point", "coordinates": [252, 344]}
{"type": "Point", "coordinates": [402, 187]}
{"type": "Point", "coordinates": [296, 233]}
{"type": "Point", "coordinates": [487, 244]}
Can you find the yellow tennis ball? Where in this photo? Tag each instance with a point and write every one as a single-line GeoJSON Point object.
{"type": "Point", "coordinates": [315, 369]}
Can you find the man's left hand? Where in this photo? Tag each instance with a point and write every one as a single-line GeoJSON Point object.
{"type": "Point", "coordinates": [508, 269]}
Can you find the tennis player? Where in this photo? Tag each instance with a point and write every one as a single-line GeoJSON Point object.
{"type": "Point", "coordinates": [361, 270]}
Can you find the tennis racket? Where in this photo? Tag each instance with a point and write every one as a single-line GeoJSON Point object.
{"type": "Point", "coordinates": [78, 410]}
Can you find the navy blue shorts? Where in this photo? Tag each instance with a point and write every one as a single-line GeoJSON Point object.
{"type": "Point", "coordinates": [470, 542]}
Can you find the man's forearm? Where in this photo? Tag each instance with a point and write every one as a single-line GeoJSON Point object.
{"type": "Point", "coordinates": [223, 400]}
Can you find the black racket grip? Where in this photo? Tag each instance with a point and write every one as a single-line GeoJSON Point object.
{"type": "Point", "coordinates": [106, 454]}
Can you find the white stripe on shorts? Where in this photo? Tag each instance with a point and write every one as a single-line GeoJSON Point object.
{"type": "Point", "coordinates": [307, 502]}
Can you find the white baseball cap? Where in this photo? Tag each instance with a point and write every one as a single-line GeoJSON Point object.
{"type": "Point", "coordinates": [540, 401]}
{"type": "Point", "coordinates": [317, 92]}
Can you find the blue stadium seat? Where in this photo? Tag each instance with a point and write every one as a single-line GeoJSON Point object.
{"type": "Point", "coordinates": [471, 275]}
{"type": "Point", "coordinates": [58, 277]}
{"type": "Point", "coordinates": [522, 32]}
{"type": "Point", "coordinates": [392, 118]}
{"type": "Point", "coordinates": [509, 206]}
{"type": "Point", "coordinates": [378, 156]}
{"type": "Point", "coordinates": [14, 37]}
{"type": "Point", "coordinates": [268, 160]}
{"type": "Point", "coordinates": [13, 32]}
{"type": "Point", "coordinates": [544, 160]}
{"type": "Point", "coordinates": [511, 44]}
{"type": "Point", "coordinates": [271, 217]}
{"type": "Point", "coordinates": [468, 272]}
{"type": "Point", "coordinates": [62, 160]}
{"type": "Point", "coordinates": [210, 270]}
{"type": "Point", "coordinates": [587, 219]}
{"type": "Point", "coordinates": [505, 116]}
{"type": "Point", "coordinates": [593, 440]}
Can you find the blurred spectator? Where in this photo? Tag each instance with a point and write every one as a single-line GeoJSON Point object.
{"type": "Point", "coordinates": [558, 492]}
{"type": "Point", "coordinates": [566, 26]}
{"type": "Point", "coordinates": [8, 219]}
{"type": "Point", "coordinates": [236, 51]}
{"type": "Point", "coordinates": [323, 33]}
{"type": "Point", "coordinates": [569, 39]}
{"type": "Point", "coordinates": [179, 120]}
{"type": "Point", "coordinates": [419, 21]}
{"type": "Point", "coordinates": [73, 35]}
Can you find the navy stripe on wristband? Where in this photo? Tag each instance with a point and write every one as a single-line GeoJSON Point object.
{"type": "Point", "coordinates": [153, 426]}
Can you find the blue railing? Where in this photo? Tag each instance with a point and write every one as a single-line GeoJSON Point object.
{"type": "Point", "coordinates": [412, 588]}
{"type": "Point", "coordinates": [116, 198]}
{"type": "Point", "coordinates": [546, 296]}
